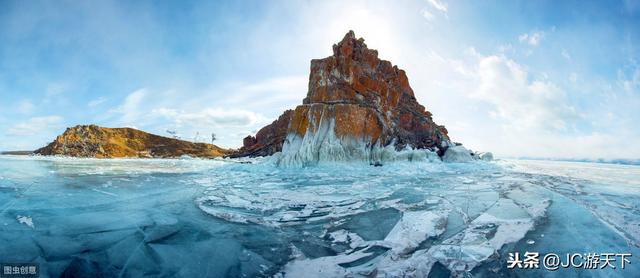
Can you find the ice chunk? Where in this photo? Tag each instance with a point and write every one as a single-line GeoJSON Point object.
{"type": "Point", "coordinates": [372, 225]}
{"type": "Point", "coordinates": [457, 154]}
{"type": "Point", "coordinates": [503, 223]}
{"type": "Point", "coordinates": [417, 265]}
{"type": "Point", "coordinates": [25, 220]}
{"type": "Point", "coordinates": [344, 236]}
{"type": "Point", "coordinates": [486, 156]}
{"type": "Point", "coordinates": [329, 266]}
{"type": "Point", "coordinates": [413, 228]}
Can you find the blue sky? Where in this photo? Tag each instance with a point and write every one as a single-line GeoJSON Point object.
{"type": "Point", "coordinates": [519, 78]}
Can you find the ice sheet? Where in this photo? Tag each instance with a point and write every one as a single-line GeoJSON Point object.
{"type": "Point", "coordinates": [186, 218]}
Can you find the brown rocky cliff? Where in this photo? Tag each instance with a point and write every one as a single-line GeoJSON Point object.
{"type": "Point", "coordinates": [268, 140]}
{"type": "Point", "coordinates": [101, 142]}
{"type": "Point", "coordinates": [353, 96]}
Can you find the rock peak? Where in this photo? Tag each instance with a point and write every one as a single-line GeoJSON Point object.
{"type": "Point", "coordinates": [349, 38]}
{"type": "Point", "coordinates": [357, 106]}
{"type": "Point", "coordinates": [348, 45]}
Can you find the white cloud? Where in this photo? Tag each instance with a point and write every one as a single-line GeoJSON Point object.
{"type": "Point", "coordinates": [440, 6]}
{"type": "Point", "coordinates": [532, 38]}
{"type": "Point", "coordinates": [505, 48]}
{"type": "Point", "coordinates": [213, 117]}
{"type": "Point", "coordinates": [25, 107]}
{"type": "Point", "coordinates": [266, 96]}
{"type": "Point", "coordinates": [573, 77]}
{"type": "Point", "coordinates": [130, 109]}
{"type": "Point", "coordinates": [493, 103]}
{"type": "Point", "coordinates": [229, 125]}
{"type": "Point", "coordinates": [434, 6]}
{"type": "Point", "coordinates": [35, 125]}
{"type": "Point", "coordinates": [96, 102]}
{"type": "Point", "coordinates": [524, 104]}
{"type": "Point", "coordinates": [565, 54]}
{"type": "Point", "coordinates": [55, 89]}
{"type": "Point", "coordinates": [215, 112]}
{"type": "Point", "coordinates": [285, 84]}
{"type": "Point", "coordinates": [55, 93]}
{"type": "Point", "coordinates": [427, 15]}
{"type": "Point", "coordinates": [630, 83]}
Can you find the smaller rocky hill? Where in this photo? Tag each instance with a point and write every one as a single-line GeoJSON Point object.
{"type": "Point", "coordinates": [102, 142]}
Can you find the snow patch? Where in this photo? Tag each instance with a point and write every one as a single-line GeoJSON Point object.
{"type": "Point", "coordinates": [25, 220]}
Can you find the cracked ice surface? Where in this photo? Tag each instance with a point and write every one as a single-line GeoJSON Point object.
{"type": "Point", "coordinates": [194, 218]}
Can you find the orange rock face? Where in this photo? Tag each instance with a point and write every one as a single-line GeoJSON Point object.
{"type": "Point", "coordinates": [101, 142]}
{"type": "Point", "coordinates": [360, 97]}
{"type": "Point", "coordinates": [350, 121]}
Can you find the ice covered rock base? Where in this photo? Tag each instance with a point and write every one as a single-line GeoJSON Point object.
{"type": "Point", "coordinates": [324, 146]}
{"type": "Point", "coordinates": [323, 141]}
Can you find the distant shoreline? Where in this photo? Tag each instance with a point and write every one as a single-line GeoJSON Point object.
{"type": "Point", "coordinates": [633, 162]}
{"type": "Point", "coordinates": [17, 153]}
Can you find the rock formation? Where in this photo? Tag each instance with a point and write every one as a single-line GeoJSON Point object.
{"type": "Point", "coordinates": [101, 142]}
{"type": "Point", "coordinates": [357, 108]}
{"type": "Point", "coordinates": [268, 140]}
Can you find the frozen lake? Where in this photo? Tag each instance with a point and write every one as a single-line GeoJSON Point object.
{"type": "Point", "coordinates": [205, 218]}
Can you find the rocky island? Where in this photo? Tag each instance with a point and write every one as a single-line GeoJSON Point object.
{"type": "Point", "coordinates": [358, 107]}
{"type": "Point", "coordinates": [102, 142]}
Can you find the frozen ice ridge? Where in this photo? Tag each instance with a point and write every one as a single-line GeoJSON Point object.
{"type": "Point", "coordinates": [323, 145]}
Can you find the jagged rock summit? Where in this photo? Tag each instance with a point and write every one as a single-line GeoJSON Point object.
{"type": "Point", "coordinates": [358, 107]}
{"type": "Point", "coordinates": [102, 142]}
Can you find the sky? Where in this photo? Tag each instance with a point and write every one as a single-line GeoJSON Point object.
{"type": "Point", "coordinates": [554, 79]}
